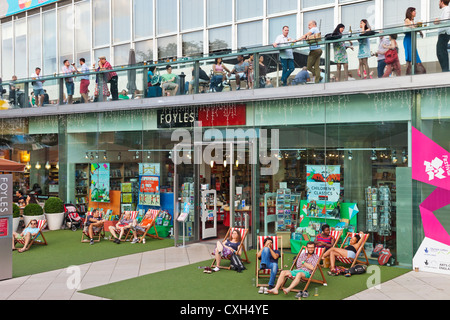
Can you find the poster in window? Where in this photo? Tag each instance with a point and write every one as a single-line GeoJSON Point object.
{"type": "Point", "coordinates": [100, 182]}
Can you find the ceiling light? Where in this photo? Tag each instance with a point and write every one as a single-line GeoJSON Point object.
{"type": "Point", "coordinates": [48, 166]}
{"type": "Point", "coordinates": [374, 155]}
{"type": "Point", "coordinates": [38, 165]}
{"type": "Point", "coordinates": [350, 155]}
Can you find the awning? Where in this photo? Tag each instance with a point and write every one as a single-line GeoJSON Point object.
{"type": "Point", "coordinates": [11, 166]}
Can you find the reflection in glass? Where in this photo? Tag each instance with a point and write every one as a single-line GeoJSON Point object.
{"type": "Point", "coordinates": [193, 43]}
{"type": "Point", "coordinates": [101, 22]}
{"type": "Point", "coordinates": [394, 11]}
{"type": "Point", "coordinates": [144, 51]}
{"type": "Point", "coordinates": [49, 22]}
{"type": "Point", "coordinates": [20, 55]}
{"type": "Point", "coordinates": [273, 6]}
{"type": "Point", "coordinates": [65, 41]}
{"type": "Point", "coordinates": [191, 14]}
{"type": "Point", "coordinates": [219, 39]}
{"type": "Point", "coordinates": [249, 34]}
{"type": "Point", "coordinates": [121, 54]}
{"type": "Point", "coordinates": [167, 47]}
{"type": "Point", "coordinates": [34, 43]}
{"type": "Point", "coordinates": [121, 20]}
{"type": "Point", "coordinates": [249, 9]}
{"type": "Point", "coordinates": [82, 29]}
{"type": "Point", "coordinates": [314, 3]}
{"type": "Point", "coordinates": [7, 50]}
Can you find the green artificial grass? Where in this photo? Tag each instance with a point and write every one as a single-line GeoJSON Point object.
{"type": "Point", "coordinates": [190, 283]}
{"type": "Point", "coordinates": [65, 249]}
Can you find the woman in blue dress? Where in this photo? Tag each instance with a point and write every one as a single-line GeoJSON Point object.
{"type": "Point", "coordinates": [364, 49]}
{"type": "Point", "coordinates": [409, 22]}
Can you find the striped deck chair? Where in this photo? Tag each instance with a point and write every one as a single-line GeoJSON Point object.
{"type": "Point", "coordinates": [265, 273]}
{"type": "Point", "coordinates": [323, 281]}
{"type": "Point", "coordinates": [34, 240]}
{"type": "Point", "coordinates": [336, 235]}
{"type": "Point", "coordinates": [243, 233]}
{"type": "Point", "coordinates": [127, 234]}
{"type": "Point", "coordinates": [98, 233]}
{"type": "Point", "coordinates": [352, 262]}
{"type": "Point", "coordinates": [146, 233]}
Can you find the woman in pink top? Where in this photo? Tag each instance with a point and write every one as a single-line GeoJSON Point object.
{"type": "Point", "coordinates": [219, 74]}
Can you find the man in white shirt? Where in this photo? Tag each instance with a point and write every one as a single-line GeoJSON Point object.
{"type": "Point", "coordinates": [287, 55]}
{"type": "Point", "coordinates": [444, 36]}
{"type": "Point", "coordinates": [38, 88]}
{"type": "Point", "coordinates": [84, 83]}
{"type": "Point", "coordinates": [313, 63]}
{"type": "Point", "coordinates": [70, 86]}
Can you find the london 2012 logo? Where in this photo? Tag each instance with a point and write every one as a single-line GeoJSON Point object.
{"type": "Point", "coordinates": [437, 168]}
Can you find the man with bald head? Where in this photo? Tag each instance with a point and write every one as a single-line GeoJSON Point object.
{"type": "Point", "coordinates": [315, 52]}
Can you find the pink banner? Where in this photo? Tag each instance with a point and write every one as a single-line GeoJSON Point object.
{"type": "Point", "coordinates": [430, 164]}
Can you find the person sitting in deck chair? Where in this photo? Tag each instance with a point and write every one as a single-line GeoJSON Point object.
{"type": "Point", "coordinates": [227, 247]}
{"type": "Point", "coordinates": [142, 227]}
{"type": "Point", "coordinates": [27, 234]}
{"type": "Point", "coordinates": [94, 224]}
{"type": "Point", "coordinates": [124, 224]}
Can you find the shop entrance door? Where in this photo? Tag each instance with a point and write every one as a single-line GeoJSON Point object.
{"type": "Point", "coordinates": [209, 214]}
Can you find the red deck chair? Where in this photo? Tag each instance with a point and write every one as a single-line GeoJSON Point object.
{"type": "Point", "coordinates": [98, 234]}
{"type": "Point", "coordinates": [352, 262]}
{"type": "Point", "coordinates": [265, 273]}
{"type": "Point", "coordinates": [34, 240]}
{"type": "Point", "coordinates": [142, 234]}
{"type": "Point", "coordinates": [127, 233]}
{"type": "Point", "coordinates": [243, 233]}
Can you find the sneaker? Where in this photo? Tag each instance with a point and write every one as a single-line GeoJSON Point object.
{"type": "Point", "coordinates": [299, 294]}
{"type": "Point", "coordinates": [135, 240]}
{"type": "Point", "coordinates": [117, 241]}
{"type": "Point", "coordinates": [266, 290]}
{"type": "Point", "coordinates": [261, 290]}
{"type": "Point", "coordinates": [238, 88]}
{"type": "Point", "coordinates": [91, 242]}
{"type": "Point", "coordinates": [305, 294]}
{"type": "Point", "coordinates": [216, 269]}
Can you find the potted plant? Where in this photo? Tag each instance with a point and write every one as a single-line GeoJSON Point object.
{"type": "Point", "coordinates": [32, 211]}
{"type": "Point", "coordinates": [16, 217]}
{"type": "Point", "coordinates": [54, 213]}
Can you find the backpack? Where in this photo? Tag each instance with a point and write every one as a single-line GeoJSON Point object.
{"type": "Point", "coordinates": [384, 257]}
{"type": "Point", "coordinates": [236, 263]}
{"type": "Point", "coordinates": [357, 269]}
{"type": "Point", "coordinates": [376, 251]}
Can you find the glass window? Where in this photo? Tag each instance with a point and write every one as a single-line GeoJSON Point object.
{"type": "Point", "coordinates": [249, 34]}
{"type": "Point", "coordinates": [7, 50]}
{"type": "Point", "coordinates": [219, 39]}
{"type": "Point", "coordinates": [143, 18]}
{"type": "Point", "coordinates": [324, 19]}
{"type": "Point", "coordinates": [352, 14]}
{"type": "Point", "coordinates": [20, 55]}
{"type": "Point", "coordinates": [65, 21]}
{"type": "Point", "coordinates": [276, 27]}
{"type": "Point", "coordinates": [82, 29]}
{"type": "Point", "coordinates": [166, 16]}
{"type": "Point", "coordinates": [34, 43]}
{"type": "Point", "coordinates": [102, 52]}
{"type": "Point", "coordinates": [193, 43]}
{"type": "Point", "coordinates": [101, 23]}
{"type": "Point", "coordinates": [249, 9]}
{"type": "Point", "coordinates": [313, 3]}
{"type": "Point", "coordinates": [394, 11]}
{"type": "Point", "coordinates": [219, 11]}
{"type": "Point", "coordinates": [167, 47]}
{"type": "Point", "coordinates": [191, 14]}
{"type": "Point", "coordinates": [273, 6]}
{"type": "Point", "coordinates": [49, 44]}
{"type": "Point", "coordinates": [121, 20]}
{"type": "Point", "coordinates": [435, 12]}
{"type": "Point", "coordinates": [144, 51]}
{"type": "Point", "coordinates": [121, 55]}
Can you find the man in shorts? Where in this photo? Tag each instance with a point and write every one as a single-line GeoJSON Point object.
{"type": "Point", "coordinates": [169, 82]}
{"type": "Point", "coordinates": [124, 224]}
{"type": "Point", "coordinates": [239, 72]}
{"type": "Point", "coordinates": [93, 224]}
{"type": "Point", "coordinates": [38, 88]}
{"type": "Point", "coordinates": [142, 227]}
{"type": "Point", "coordinates": [26, 234]}
{"type": "Point", "coordinates": [84, 83]}
{"type": "Point", "coordinates": [70, 86]}
{"type": "Point", "coordinates": [306, 263]}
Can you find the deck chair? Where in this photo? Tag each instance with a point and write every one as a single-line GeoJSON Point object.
{"type": "Point", "coordinates": [336, 234]}
{"type": "Point", "coordinates": [322, 281]}
{"type": "Point", "coordinates": [243, 233]}
{"type": "Point", "coordinates": [146, 233]}
{"type": "Point", "coordinates": [352, 262]}
{"type": "Point", "coordinates": [98, 234]}
{"type": "Point", "coordinates": [35, 239]}
{"type": "Point", "coordinates": [265, 273]}
{"type": "Point", "coordinates": [127, 234]}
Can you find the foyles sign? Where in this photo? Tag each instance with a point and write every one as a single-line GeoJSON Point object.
{"type": "Point", "coordinates": [6, 195]}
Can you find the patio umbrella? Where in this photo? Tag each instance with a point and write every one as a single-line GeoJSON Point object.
{"type": "Point", "coordinates": [131, 74]}
{"type": "Point", "coordinates": [11, 166]}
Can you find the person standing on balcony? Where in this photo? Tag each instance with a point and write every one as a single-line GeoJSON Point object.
{"type": "Point", "coordinates": [38, 87]}
{"type": "Point", "coordinates": [112, 78]}
{"type": "Point", "coordinates": [70, 86]}
{"type": "Point", "coordinates": [364, 50]}
{"type": "Point", "coordinates": [444, 36]}
{"type": "Point", "coordinates": [286, 55]}
{"type": "Point", "coordinates": [407, 42]}
{"type": "Point", "coordinates": [84, 83]}
{"type": "Point", "coordinates": [313, 62]}
{"type": "Point", "coordinates": [384, 41]}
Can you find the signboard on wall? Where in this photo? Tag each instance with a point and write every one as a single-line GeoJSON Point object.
{"type": "Point", "coordinates": [6, 210]}
{"type": "Point", "coordinates": [431, 165]}
{"type": "Point", "coordinates": [323, 183]}
{"type": "Point", "coordinates": [10, 7]}
{"type": "Point", "coordinates": [100, 175]}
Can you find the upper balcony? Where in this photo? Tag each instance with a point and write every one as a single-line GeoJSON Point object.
{"type": "Point", "coordinates": [262, 79]}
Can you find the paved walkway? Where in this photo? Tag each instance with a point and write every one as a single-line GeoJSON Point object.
{"type": "Point", "coordinates": [60, 284]}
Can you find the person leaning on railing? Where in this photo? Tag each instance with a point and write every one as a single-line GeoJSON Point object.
{"type": "Point", "coordinates": [444, 36]}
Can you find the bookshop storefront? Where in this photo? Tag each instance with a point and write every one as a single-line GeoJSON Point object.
{"type": "Point", "coordinates": [281, 167]}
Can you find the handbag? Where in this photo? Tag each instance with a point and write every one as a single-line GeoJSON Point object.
{"type": "Point", "coordinates": [156, 80]}
{"type": "Point", "coordinates": [390, 56]}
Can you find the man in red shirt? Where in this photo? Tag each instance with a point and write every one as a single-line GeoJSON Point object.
{"type": "Point", "coordinates": [112, 78]}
